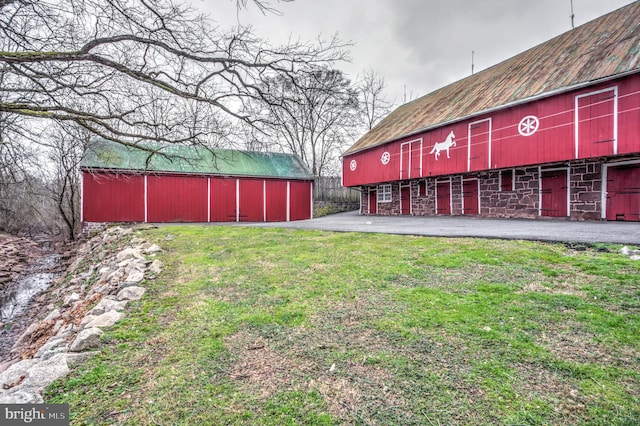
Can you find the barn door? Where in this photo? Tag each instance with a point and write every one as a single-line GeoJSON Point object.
{"type": "Point", "coordinates": [411, 159]}
{"type": "Point", "coordinates": [443, 197]}
{"type": "Point", "coordinates": [373, 201]}
{"type": "Point", "coordinates": [222, 199]}
{"type": "Point", "coordinates": [405, 200]}
{"type": "Point", "coordinates": [623, 193]}
{"type": "Point", "coordinates": [554, 193]}
{"type": "Point", "coordinates": [470, 197]}
{"type": "Point", "coordinates": [479, 145]}
{"type": "Point", "coordinates": [596, 124]}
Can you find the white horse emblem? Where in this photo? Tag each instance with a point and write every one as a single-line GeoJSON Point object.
{"type": "Point", "coordinates": [440, 146]}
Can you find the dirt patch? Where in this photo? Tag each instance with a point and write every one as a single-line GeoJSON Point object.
{"type": "Point", "coordinates": [571, 343]}
{"type": "Point", "coordinates": [540, 383]}
{"type": "Point", "coordinates": [261, 368]}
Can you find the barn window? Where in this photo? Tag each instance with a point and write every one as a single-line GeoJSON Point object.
{"type": "Point", "coordinates": [384, 193]}
{"type": "Point", "coordinates": [506, 180]}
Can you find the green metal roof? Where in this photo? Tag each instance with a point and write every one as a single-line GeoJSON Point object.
{"type": "Point", "coordinates": [174, 158]}
{"type": "Point", "coordinates": [605, 47]}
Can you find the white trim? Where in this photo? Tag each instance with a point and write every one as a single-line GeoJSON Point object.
{"type": "Point", "coordinates": [146, 205]}
{"type": "Point", "coordinates": [311, 183]}
{"type": "Point", "coordinates": [81, 196]}
{"type": "Point", "coordinates": [567, 170]}
{"type": "Point", "coordinates": [288, 201]}
{"type": "Point", "coordinates": [208, 199]}
{"type": "Point", "coordinates": [264, 200]}
{"type": "Point", "coordinates": [576, 124]}
{"type": "Point", "coordinates": [450, 197]}
{"type": "Point", "coordinates": [488, 146]}
{"type": "Point", "coordinates": [237, 200]}
{"type": "Point", "coordinates": [513, 179]}
{"type": "Point", "coordinates": [410, 158]}
{"type": "Point", "coordinates": [379, 192]}
{"type": "Point", "coordinates": [603, 186]}
{"type": "Point", "coordinates": [360, 196]}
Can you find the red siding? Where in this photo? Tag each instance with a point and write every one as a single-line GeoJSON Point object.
{"type": "Point", "coordinates": [251, 200]}
{"type": "Point", "coordinates": [478, 145]}
{"type": "Point", "coordinates": [176, 199]}
{"type": "Point", "coordinates": [623, 193]}
{"type": "Point", "coordinates": [551, 137]}
{"type": "Point", "coordinates": [596, 124]}
{"type": "Point", "coordinates": [223, 199]}
{"type": "Point", "coordinates": [112, 198]}
{"type": "Point", "coordinates": [300, 200]}
{"type": "Point", "coordinates": [276, 201]}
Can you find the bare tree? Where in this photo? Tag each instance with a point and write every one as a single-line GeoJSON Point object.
{"type": "Point", "coordinates": [374, 105]}
{"type": "Point", "coordinates": [66, 146]}
{"type": "Point", "coordinates": [106, 65]}
{"type": "Point", "coordinates": [314, 117]}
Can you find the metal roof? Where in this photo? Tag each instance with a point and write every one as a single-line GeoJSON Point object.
{"type": "Point", "coordinates": [605, 47]}
{"type": "Point", "coordinates": [174, 158]}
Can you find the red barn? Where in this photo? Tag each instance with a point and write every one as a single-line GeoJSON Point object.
{"type": "Point", "coordinates": [173, 183]}
{"type": "Point", "coordinates": [553, 131]}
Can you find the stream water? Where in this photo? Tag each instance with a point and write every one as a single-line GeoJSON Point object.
{"type": "Point", "coordinates": [17, 297]}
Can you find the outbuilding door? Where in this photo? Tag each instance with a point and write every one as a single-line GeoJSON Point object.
{"type": "Point", "coordinates": [470, 196]}
{"type": "Point", "coordinates": [479, 145]}
{"type": "Point", "coordinates": [411, 159]}
{"type": "Point", "coordinates": [443, 197]}
{"type": "Point", "coordinates": [222, 199]}
{"type": "Point", "coordinates": [373, 202]}
{"type": "Point", "coordinates": [596, 123]}
{"type": "Point", "coordinates": [554, 193]}
{"type": "Point", "coordinates": [405, 199]}
{"type": "Point", "coordinates": [623, 193]}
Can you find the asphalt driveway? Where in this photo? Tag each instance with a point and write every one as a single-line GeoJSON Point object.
{"type": "Point", "coordinates": [457, 226]}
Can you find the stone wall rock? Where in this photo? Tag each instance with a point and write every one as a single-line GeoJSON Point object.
{"type": "Point", "coordinates": [93, 294]}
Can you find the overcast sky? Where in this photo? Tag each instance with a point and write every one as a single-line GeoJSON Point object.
{"type": "Point", "coordinates": [418, 44]}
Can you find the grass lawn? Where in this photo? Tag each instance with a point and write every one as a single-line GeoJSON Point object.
{"type": "Point", "coordinates": [272, 326]}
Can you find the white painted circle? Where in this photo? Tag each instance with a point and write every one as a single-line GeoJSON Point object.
{"type": "Point", "coordinates": [386, 157]}
{"type": "Point", "coordinates": [528, 125]}
{"type": "Point", "coordinates": [353, 165]}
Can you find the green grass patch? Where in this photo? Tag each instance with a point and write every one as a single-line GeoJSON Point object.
{"type": "Point", "coordinates": [274, 326]}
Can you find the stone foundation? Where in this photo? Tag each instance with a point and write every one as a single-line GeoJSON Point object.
{"type": "Point", "coordinates": [521, 200]}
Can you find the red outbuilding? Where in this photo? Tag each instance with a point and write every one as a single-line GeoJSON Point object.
{"type": "Point", "coordinates": [553, 131]}
{"type": "Point", "coordinates": [174, 183]}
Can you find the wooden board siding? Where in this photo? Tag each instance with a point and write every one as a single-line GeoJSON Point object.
{"type": "Point", "coordinates": [553, 192]}
{"type": "Point", "coordinates": [373, 202]}
{"type": "Point", "coordinates": [300, 201]}
{"type": "Point", "coordinates": [109, 197]}
{"type": "Point", "coordinates": [117, 197]}
{"type": "Point", "coordinates": [177, 199]}
{"type": "Point", "coordinates": [276, 201]}
{"type": "Point", "coordinates": [443, 197]}
{"type": "Point", "coordinates": [222, 199]}
{"type": "Point", "coordinates": [251, 200]}
{"type": "Point", "coordinates": [557, 131]}
{"type": "Point", "coordinates": [470, 197]}
{"type": "Point", "coordinates": [405, 199]}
